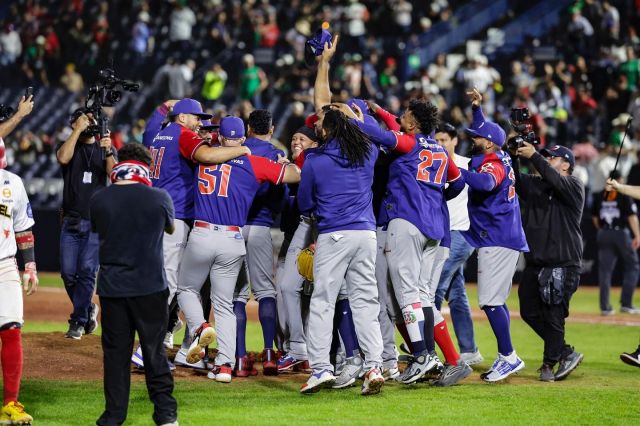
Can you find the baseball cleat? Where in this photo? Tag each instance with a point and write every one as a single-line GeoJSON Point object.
{"type": "Point", "coordinates": [632, 358]}
{"type": "Point", "coordinates": [436, 371]}
{"type": "Point", "coordinates": [203, 337]}
{"type": "Point", "coordinates": [221, 373]}
{"type": "Point", "coordinates": [303, 367]}
{"type": "Point", "coordinates": [452, 374]}
{"type": "Point", "coordinates": [168, 338]}
{"type": "Point", "coordinates": [390, 373]}
{"type": "Point", "coordinates": [136, 358]}
{"type": "Point", "coordinates": [418, 368]}
{"type": "Point", "coordinates": [92, 322]}
{"type": "Point", "coordinates": [76, 330]}
{"type": "Point", "coordinates": [351, 371]}
{"type": "Point", "coordinates": [14, 413]}
{"type": "Point", "coordinates": [244, 367]}
{"type": "Point", "coordinates": [287, 362]}
{"type": "Point", "coordinates": [630, 310]}
{"type": "Point", "coordinates": [317, 381]}
{"type": "Point", "coordinates": [340, 363]}
{"type": "Point", "coordinates": [568, 364]}
{"type": "Point", "coordinates": [373, 382]}
{"type": "Point", "coordinates": [546, 373]}
{"type": "Point", "coordinates": [269, 362]}
{"type": "Point", "coordinates": [181, 360]}
{"type": "Point", "coordinates": [502, 368]}
{"type": "Point", "coordinates": [472, 358]}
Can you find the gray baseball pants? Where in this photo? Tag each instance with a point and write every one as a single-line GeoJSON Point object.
{"type": "Point", "coordinates": [388, 312]}
{"type": "Point", "coordinates": [259, 265]}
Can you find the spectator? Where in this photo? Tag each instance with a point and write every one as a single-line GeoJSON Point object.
{"type": "Point", "coordinates": [402, 16]}
{"type": "Point", "coordinates": [182, 21]}
{"type": "Point", "coordinates": [631, 69]}
{"type": "Point", "coordinates": [10, 46]}
{"type": "Point", "coordinates": [140, 35]}
{"type": "Point", "coordinates": [269, 32]}
{"type": "Point", "coordinates": [580, 33]}
{"type": "Point", "coordinates": [252, 82]}
{"type": "Point", "coordinates": [357, 14]}
{"type": "Point", "coordinates": [72, 80]}
{"type": "Point", "coordinates": [220, 38]}
{"type": "Point", "coordinates": [610, 23]}
{"type": "Point", "coordinates": [214, 83]}
{"type": "Point", "coordinates": [388, 78]}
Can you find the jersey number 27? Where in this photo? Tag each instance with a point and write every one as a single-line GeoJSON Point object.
{"type": "Point", "coordinates": [427, 158]}
{"type": "Point", "coordinates": [209, 176]}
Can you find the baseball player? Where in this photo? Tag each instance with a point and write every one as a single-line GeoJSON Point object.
{"type": "Point", "coordinates": [336, 187]}
{"type": "Point", "coordinates": [416, 223]}
{"type": "Point", "coordinates": [216, 247]}
{"type": "Point", "coordinates": [175, 151]}
{"type": "Point", "coordinates": [259, 260]}
{"type": "Point", "coordinates": [16, 221]}
{"type": "Point", "coordinates": [290, 282]}
{"type": "Point", "coordinates": [495, 230]}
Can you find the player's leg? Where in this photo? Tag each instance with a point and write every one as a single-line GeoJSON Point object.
{"type": "Point", "coordinates": [363, 298]}
{"type": "Point", "coordinates": [229, 256]}
{"type": "Point", "coordinates": [631, 269]}
{"type": "Point", "coordinates": [11, 358]}
{"type": "Point", "coordinates": [329, 267]}
{"type": "Point", "coordinates": [282, 333]}
{"type": "Point", "coordinates": [173, 246]}
{"type": "Point", "coordinates": [291, 287]}
{"type": "Point", "coordinates": [389, 356]}
{"type": "Point", "coordinates": [260, 264]}
{"type": "Point", "coordinates": [404, 248]}
{"type": "Point", "coordinates": [606, 263]}
{"type": "Point", "coordinates": [496, 266]}
{"type": "Point", "coordinates": [243, 367]}
{"type": "Point", "coordinates": [196, 264]}
{"type": "Point", "coordinates": [148, 314]}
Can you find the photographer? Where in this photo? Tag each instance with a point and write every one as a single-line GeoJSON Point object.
{"type": "Point", "coordinates": [553, 203]}
{"type": "Point", "coordinates": [85, 167]}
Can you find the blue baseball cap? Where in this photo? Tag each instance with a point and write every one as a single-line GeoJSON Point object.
{"type": "Point", "coordinates": [560, 151]}
{"type": "Point", "coordinates": [315, 45]}
{"type": "Point", "coordinates": [232, 127]}
{"type": "Point", "coordinates": [206, 125]}
{"type": "Point", "coordinates": [488, 130]}
{"type": "Point", "coordinates": [189, 106]}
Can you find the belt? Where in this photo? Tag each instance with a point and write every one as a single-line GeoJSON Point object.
{"type": "Point", "coordinates": [305, 219]}
{"type": "Point", "coordinates": [211, 226]}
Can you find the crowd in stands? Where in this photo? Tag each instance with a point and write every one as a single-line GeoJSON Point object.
{"type": "Point", "coordinates": [239, 55]}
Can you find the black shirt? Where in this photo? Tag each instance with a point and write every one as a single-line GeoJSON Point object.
{"type": "Point", "coordinates": [613, 213]}
{"type": "Point", "coordinates": [551, 214]}
{"type": "Point", "coordinates": [130, 221]}
{"type": "Point", "coordinates": [83, 176]}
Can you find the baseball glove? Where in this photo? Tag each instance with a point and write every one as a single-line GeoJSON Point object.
{"type": "Point", "coordinates": [305, 263]}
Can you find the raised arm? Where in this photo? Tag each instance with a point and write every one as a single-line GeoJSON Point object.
{"type": "Point", "coordinates": [24, 108]}
{"type": "Point", "coordinates": [631, 191]}
{"type": "Point", "coordinates": [322, 89]}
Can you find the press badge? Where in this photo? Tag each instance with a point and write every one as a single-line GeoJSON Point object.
{"type": "Point", "coordinates": [86, 178]}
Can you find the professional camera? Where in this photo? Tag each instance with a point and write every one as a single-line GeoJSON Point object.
{"type": "Point", "coordinates": [104, 94]}
{"type": "Point", "coordinates": [520, 122]}
{"type": "Point", "coordinates": [5, 112]}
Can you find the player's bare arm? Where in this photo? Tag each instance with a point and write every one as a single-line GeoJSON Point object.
{"type": "Point", "coordinates": [217, 155]}
{"type": "Point", "coordinates": [65, 153]}
{"type": "Point", "coordinates": [291, 174]}
{"type": "Point", "coordinates": [24, 108]}
{"type": "Point", "coordinates": [26, 243]}
{"type": "Point", "coordinates": [105, 144]}
{"type": "Point", "coordinates": [631, 191]}
{"type": "Point", "coordinates": [321, 89]}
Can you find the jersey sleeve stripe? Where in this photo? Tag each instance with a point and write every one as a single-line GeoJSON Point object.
{"type": "Point", "coordinates": [195, 148]}
{"type": "Point", "coordinates": [281, 175]}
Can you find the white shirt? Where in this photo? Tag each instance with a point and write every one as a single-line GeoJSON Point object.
{"type": "Point", "coordinates": [15, 212]}
{"type": "Point", "coordinates": [458, 213]}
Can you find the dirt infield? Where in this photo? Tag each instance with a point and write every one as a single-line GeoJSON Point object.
{"type": "Point", "coordinates": [51, 356]}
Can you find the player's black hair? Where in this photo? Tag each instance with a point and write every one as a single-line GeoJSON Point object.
{"type": "Point", "coordinates": [447, 128]}
{"type": "Point", "coordinates": [425, 113]}
{"type": "Point", "coordinates": [136, 152]}
{"type": "Point", "coordinates": [260, 121]}
{"type": "Point", "coordinates": [354, 144]}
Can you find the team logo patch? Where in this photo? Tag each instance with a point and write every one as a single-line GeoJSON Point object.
{"type": "Point", "coordinates": [409, 317]}
{"type": "Point", "coordinates": [6, 192]}
{"type": "Point", "coordinates": [29, 211]}
{"type": "Point", "coordinates": [6, 232]}
{"type": "Point", "coordinates": [6, 182]}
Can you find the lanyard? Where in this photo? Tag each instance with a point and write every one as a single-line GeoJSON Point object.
{"type": "Point", "coordinates": [88, 160]}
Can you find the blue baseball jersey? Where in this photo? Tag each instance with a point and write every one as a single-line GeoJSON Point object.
{"type": "Point", "coordinates": [417, 178]}
{"type": "Point", "coordinates": [224, 192]}
{"type": "Point", "coordinates": [270, 198]}
{"type": "Point", "coordinates": [173, 166]}
{"type": "Point", "coordinates": [495, 214]}
{"type": "Point", "coordinates": [337, 192]}
{"type": "Point", "coordinates": [154, 125]}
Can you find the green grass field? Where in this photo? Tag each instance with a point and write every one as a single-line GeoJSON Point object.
{"type": "Point", "coordinates": [602, 390]}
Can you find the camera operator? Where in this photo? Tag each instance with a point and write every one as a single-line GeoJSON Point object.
{"type": "Point", "coordinates": [86, 164]}
{"type": "Point", "coordinates": [553, 203]}
{"type": "Point", "coordinates": [24, 108]}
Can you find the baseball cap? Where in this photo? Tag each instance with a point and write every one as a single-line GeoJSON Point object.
{"type": "Point", "coordinates": [308, 132]}
{"type": "Point", "coordinates": [232, 127]}
{"type": "Point", "coordinates": [315, 45]}
{"type": "Point", "coordinates": [206, 125]}
{"type": "Point", "coordinates": [560, 151]}
{"type": "Point", "coordinates": [488, 130]}
{"type": "Point", "coordinates": [189, 106]}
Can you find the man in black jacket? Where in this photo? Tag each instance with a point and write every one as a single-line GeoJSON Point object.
{"type": "Point", "coordinates": [553, 203]}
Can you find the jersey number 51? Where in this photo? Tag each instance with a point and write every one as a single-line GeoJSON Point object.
{"type": "Point", "coordinates": [209, 176]}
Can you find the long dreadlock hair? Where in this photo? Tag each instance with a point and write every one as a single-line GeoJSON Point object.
{"type": "Point", "coordinates": [353, 143]}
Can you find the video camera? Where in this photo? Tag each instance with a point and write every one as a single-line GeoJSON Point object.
{"type": "Point", "coordinates": [520, 122]}
{"type": "Point", "coordinates": [104, 94]}
{"type": "Point", "coordinates": [5, 112]}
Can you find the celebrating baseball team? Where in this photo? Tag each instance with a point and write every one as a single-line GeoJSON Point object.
{"type": "Point", "coordinates": [379, 216]}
